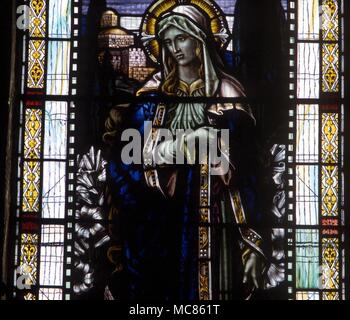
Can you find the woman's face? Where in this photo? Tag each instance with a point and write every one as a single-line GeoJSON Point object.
{"type": "Point", "coordinates": [181, 45]}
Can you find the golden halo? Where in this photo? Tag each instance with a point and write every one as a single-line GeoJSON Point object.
{"type": "Point", "coordinates": [218, 22]}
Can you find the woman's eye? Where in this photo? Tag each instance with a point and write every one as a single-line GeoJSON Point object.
{"type": "Point", "coordinates": [181, 38]}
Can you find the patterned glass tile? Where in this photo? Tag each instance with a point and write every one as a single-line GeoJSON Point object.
{"type": "Point", "coordinates": [330, 188]}
{"type": "Point", "coordinates": [330, 295]}
{"type": "Point", "coordinates": [330, 20]}
{"type": "Point", "coordinates": [29, 296]}
{"type": "Point", "coordinates": [32, 134]}
{"type": "Point", "coordinates": [29, 258]}
{"type": "Point", "coordinates": [330, 263]}
{"type": "Point", "coordinates": [37, 18]}
{"type": "Point", "coordinates": [330, 136]}
{"type": "Point", "coordinates": [36, 64]}
{"type": "Point", "coordinates": [31, 186]}
{"type": "Point", "coordinates": [330, 67]}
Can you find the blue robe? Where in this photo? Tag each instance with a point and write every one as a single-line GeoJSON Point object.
{"type": "Point", "coordinates": [160, 234]}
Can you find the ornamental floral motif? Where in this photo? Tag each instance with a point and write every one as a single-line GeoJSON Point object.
{"type": "Point", "coordinates": [90, 213]}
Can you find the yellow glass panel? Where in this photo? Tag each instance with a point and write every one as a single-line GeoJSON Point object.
{"type": "Point", "coordinates": [31, 185]}
{"type": "Point", "coordinates": [32, 134]}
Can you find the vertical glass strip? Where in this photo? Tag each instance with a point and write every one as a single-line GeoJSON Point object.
{"type": "Point", "coordinates": [330, 67]}
{"type": "Point", "coordinates": [60, 19]}
{"type": "Point", "coordinates": [330, 18]}
{"type": "Point", "coordinates": [51, 255]}
{"type": "Point", "coordinates": [43, 155]}
{"type": "Point", "coordinates": [308, 70]}
{"type": "Point", "coordinates": [54, 190]}
{"type": "Point", "coordinates": [308, 20]}
{"type": "Point", "coordinates": [330, 189]}
{"type": "Point", "coordinates": [313, 58]}
{"type": "Point", "coordinates": [55, 146]}
{"type": "Point", "coordinates": [29, 258]}
{"type": "Point", "coordinates": [32, 134]}
{"type": "Point", "coordinates": [307, 259]}
{"type": "Point", "coordinates": [31, 186]}
{"type": "Point", "coordinates": [330, 135]}
{"type": "Point", "coordinates": [307, 144]}
{"type": "Point", "coordinates": [307, 196]}
{"type": "Point", "coordinates": [37, 18]}
{"type": "Point", "coordinates": [58, 68]}
{"type": "Point", "coordinates": [330, 263]}
{"type": "Point", "coordinates": [36, 64]}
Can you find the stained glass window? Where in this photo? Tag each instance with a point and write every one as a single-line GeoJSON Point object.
{"type": "Point", "coordinates": [316, 77]}
{"type": "Point", "coordinates": [81, 59]}
{"type": "Point", "coordinates": [47, 129]}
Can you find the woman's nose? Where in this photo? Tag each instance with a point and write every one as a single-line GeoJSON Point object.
{"type": "Point", "coordinates": [175, 47]}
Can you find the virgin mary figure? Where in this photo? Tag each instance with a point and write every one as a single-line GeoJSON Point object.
{"type": "Point", "coordinates": [186, 233]}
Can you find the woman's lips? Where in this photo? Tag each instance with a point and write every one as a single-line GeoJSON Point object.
{"type": "Point", "coordinates": [179, 57]}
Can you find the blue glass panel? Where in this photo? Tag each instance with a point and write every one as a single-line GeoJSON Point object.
{"type": "Point", "coordinates": [307, 259]}
{"type": "Point", "coordinates": [55, 142]}
{"type": "Point", "coordinates": [58, 68]}
{"type": "Point", "coordinates": [60, 19]}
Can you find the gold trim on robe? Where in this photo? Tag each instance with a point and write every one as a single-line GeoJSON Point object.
{"type": "Point", "coordinates": [226, 90]}
{"type": "Point", "coordinates": [252, 241]}
{"type": "Point", "coordinates": [189, 89]}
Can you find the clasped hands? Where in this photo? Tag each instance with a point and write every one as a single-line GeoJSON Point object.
{"type": "Point", "coordinates": [185, 144]}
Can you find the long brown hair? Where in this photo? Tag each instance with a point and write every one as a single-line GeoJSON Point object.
{"type": "Point", "coordinates": [171, 81]}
